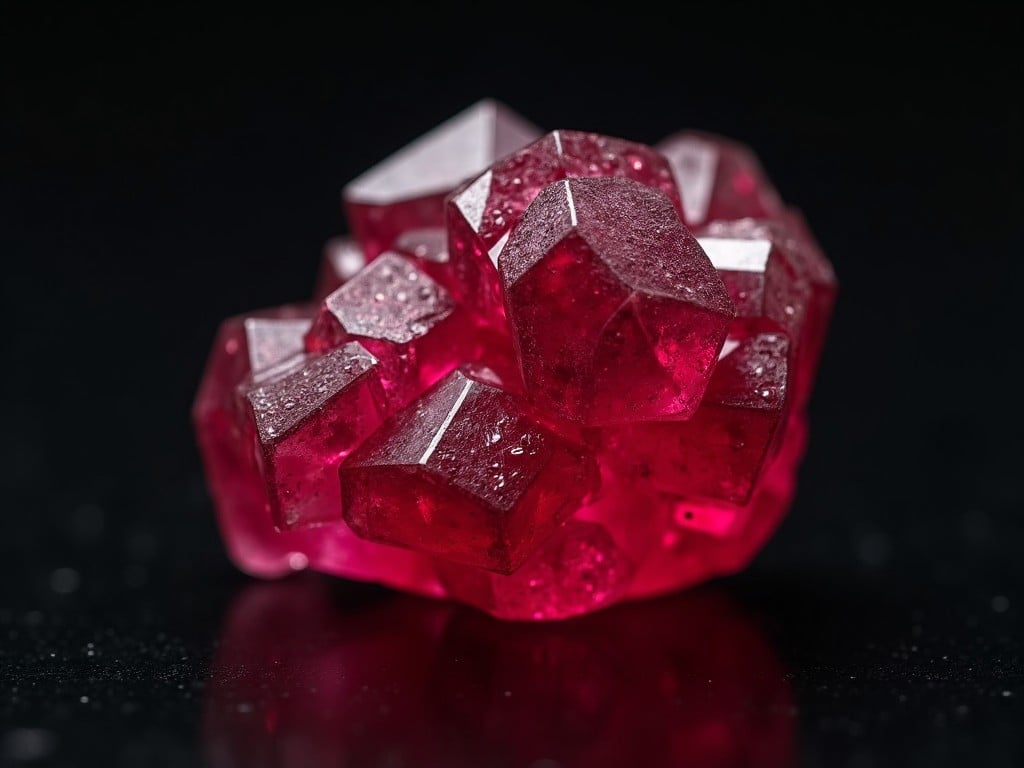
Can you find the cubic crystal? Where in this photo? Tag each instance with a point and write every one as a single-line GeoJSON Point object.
{"type": "Point", "coordinates": [309, 414]}
{"type": "Point", "coordinates": [407, 190]}
{"type": "Point", "coordinates": [255, 343]}
{"type": "Point", "coordinates": [790, 234]}
{"type": "Point", "coordinates": [406, 320]}
{"type": "Point", "coordinates": [466, 474]}
{"type": "Point", "coordinates": [482, 213]}
{"type": "Point", "coordinates": [617, 315]}
{"type": "Point", "coordinates": [718, 178]}
{"type": "Point", "coordinates": [764, 284]}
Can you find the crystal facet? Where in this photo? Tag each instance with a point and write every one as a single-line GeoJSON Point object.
{"type": "Point", "coordinates": [406, 320]}
{"type": "Point", "coordinates": [483, 212]}
{"type": "Point", "coordinates": [525, 383]}
{"type": "Point", "coordinates": [718, 178]}
{"type": "Point", "coordinates": [464, 472]}
{"type": "Point", "coordinates": [309, 414]}
{"type": "Point", "coordinates": [718, 454]}
{"type": "Point", "coordinates": [407, 190]}
{"type": "Point", "coordinates": [616, 313]}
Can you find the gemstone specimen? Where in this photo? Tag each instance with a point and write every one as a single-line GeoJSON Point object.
{"type": "Point", "coordinates": [309, 414]}
{"type": "Point", "coordinates": [407, 190]}
{"type": "Point", "coordinates": [763, 281]}
{"type": "Point", "coordinates": [481, 214]}
{"type": "Point", "coordinates": [465, 473]}
{"type": "Point", "coordinates": [525, 383]}
{"type": "Point", "coordinates": [616, 313]}
{"type": "Point", "coordinates": [342, 259]}
{"type": "Point", "coordinates": [244, 346]}
{"type": "Point", "coordinates": [789, 233]}
{"type": "Point", "coordinates": [406, 320]}
{"type": "Point", "coordinates": [718, 178]}
{"type": "Point", "coordinates": [718, 454]}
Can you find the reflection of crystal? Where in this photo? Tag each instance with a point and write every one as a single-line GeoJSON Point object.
{"type": "Point", "coordinates": [301, 681]}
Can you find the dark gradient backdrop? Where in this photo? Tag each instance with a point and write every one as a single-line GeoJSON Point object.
{"type": "Point", "coordinates": [158, 173]}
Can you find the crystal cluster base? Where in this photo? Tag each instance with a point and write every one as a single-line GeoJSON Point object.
{"type": "Point", "coordinates": [547, 374]}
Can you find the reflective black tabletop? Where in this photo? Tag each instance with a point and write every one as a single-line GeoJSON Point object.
{"type": "Point", "coordinates": [159, 174]}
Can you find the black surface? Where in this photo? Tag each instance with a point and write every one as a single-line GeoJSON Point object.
{"type": "Point", "coordinates": [158, 174]}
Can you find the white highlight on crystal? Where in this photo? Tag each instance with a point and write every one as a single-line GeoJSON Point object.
{"type": "Point", "coordinates": [694, 164]}
{"type": "Point", "coordinates": [572, 203]}
{"type": "Point", "coordinates": [733, 255]}
{"type": "Point", "coordinates": [446, 423]}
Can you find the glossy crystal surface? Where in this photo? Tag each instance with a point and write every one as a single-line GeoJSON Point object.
{"type": "Point", "coordinates": [465, 473]}
{"type": "Point", "coordinates": [616, 312]}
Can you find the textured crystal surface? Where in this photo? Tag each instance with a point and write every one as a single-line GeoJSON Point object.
{"type": "Point", "coordinates": [718, 454]}
{"type": "Point", "coordinates": [604, 331]}
{"type": "Point", "coordinates": [789, 234]}
{"type": "Point", "coordinates": [250, 345]}
{"type": "Point", "coordinates": [525, 383]}
{"type": "Point", "coordinates": [718, 178]}
{"type": "Point", "coordinates": [405, 319]}
{"type": "Point", "coordinates": [483, 212]}
{"type": "Point", "coordinates": [464, 473]}
{"type": "Point", "coordinates": [342, 259]}
{"type": "Point", "coordinates": [407, 190]}
{"type": "Point", "coordinates": [309, 414]}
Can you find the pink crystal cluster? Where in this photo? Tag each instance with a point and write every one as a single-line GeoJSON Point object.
{"type": "Point", "coordinates": [549, 373]}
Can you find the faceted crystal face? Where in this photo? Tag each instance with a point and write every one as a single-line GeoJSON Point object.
{"type": "Point", "coordinates": [342, 260]}
{"type": "Point", "coordinates": [617, 315]}
{"type": "Point", "coordinates": [718, 178]}
{"type": "Point", "coordinates": [578, 570]}
{"type": "Point", "coordinates": [404, 318]}
{"type": "Point", "coordinates": [466, 474]}
{"type": "Point", "coordinates": [790, 235]}
{"type": "Point", "coordinates": [763, 282]}
{"type": "Point", "coordinates": [717, 455]}
{"type": "Point", "coordinates": [483, 212]}
{"type": "Point", "coordinates": [407, 190]}
{"type": "Point", "coordinates": [309, 414]}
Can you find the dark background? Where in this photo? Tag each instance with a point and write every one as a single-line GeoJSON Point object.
{"type": "Point", "coordinates": [158, 173]}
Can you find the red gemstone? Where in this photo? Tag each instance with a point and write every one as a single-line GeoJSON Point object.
{"type": "Point", "coordinates": [790, 234]}
{"type": "Point", "coordinates": [540, 393]}
{"type": "Point", "coordinates": [309, 413]}
{"type": "Point", "coordinates": [406, 320]}
{"type": "Point", "coordinates": [407, 190]}
{"type": "Point", "coordinates": [466, 474]}
{"type": "Point", "coordinates": [603, 332]}
{"type": "Point", "coordinates": [578, 570]}
{"type": "Point", "coordinates": [763, 281]}
{"type": "Point", "coordinates": [227, 443]}
{"type": "Point", "coordinates": [483, 212]}
{"type": "Point", "coordinates": [718, 454]}
{"type": "Point", "coordinates": [718, 178]}
{"type": "Point", "coordinates": [342, 259]}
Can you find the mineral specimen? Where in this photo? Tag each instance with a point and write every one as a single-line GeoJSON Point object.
{"type": "Point", "coordinates": [525, 383]}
